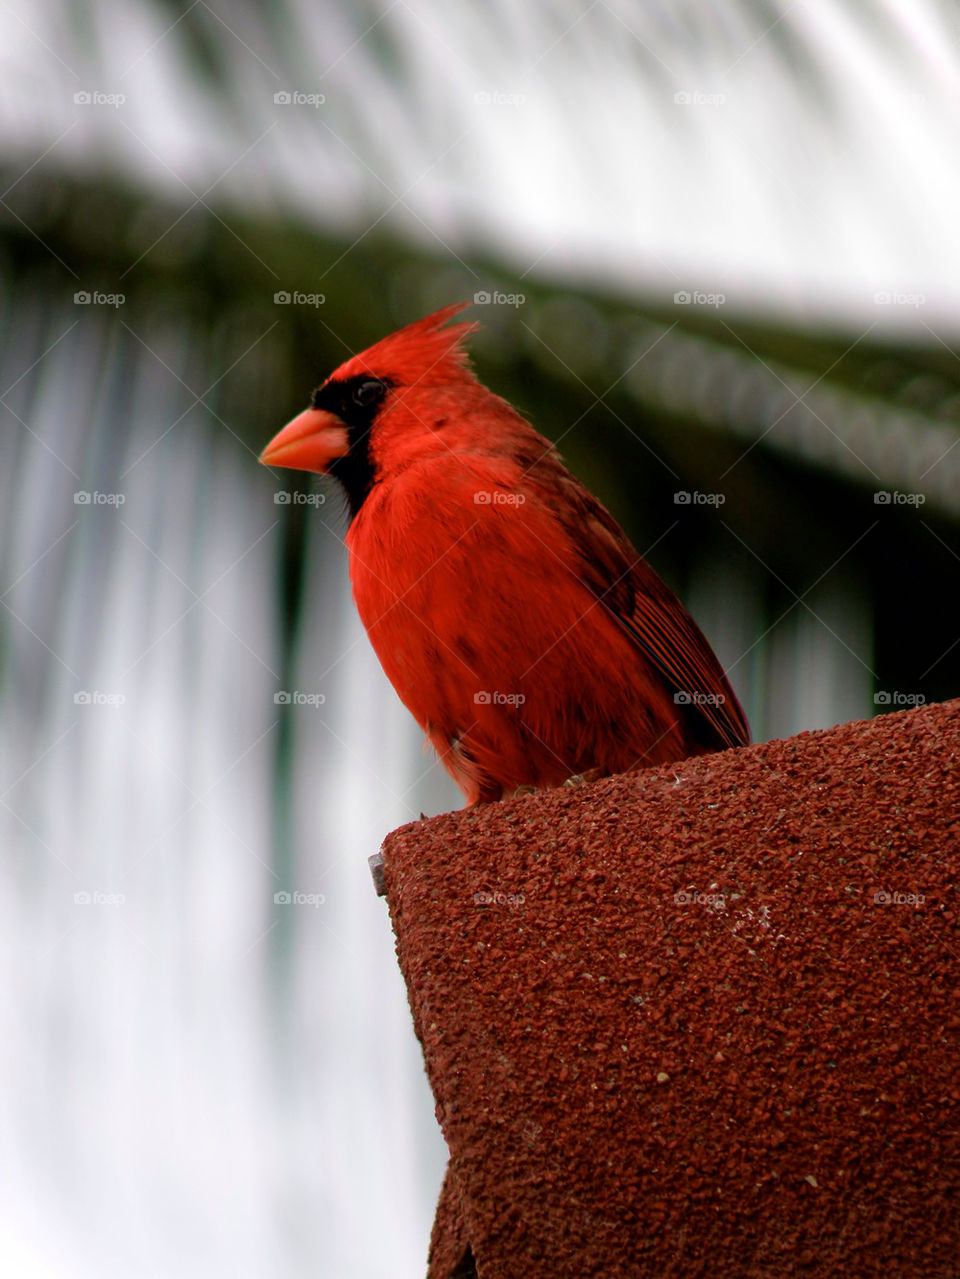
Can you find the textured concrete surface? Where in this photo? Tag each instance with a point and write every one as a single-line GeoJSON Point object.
{"type": "Point", "coordinates": [701, 1020]}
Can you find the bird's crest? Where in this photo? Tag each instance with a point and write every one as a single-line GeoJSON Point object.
{"type": "Point", "coordinates": [425, 352]}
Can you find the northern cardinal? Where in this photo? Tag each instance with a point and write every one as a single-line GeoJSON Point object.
{"type": "Point", "coordinates": [507, 607]}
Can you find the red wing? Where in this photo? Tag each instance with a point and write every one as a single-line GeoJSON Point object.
{"type": "Point", "coordinates": [645, 608]}
{"type": "Point", "coordinates": [667, 633]}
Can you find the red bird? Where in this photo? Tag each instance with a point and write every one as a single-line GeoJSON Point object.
{"type": "Point", "coordinates": [507, 607]}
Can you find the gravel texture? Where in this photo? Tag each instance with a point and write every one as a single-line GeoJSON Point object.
{"type": "Point", "coordinates": [700, 1020]}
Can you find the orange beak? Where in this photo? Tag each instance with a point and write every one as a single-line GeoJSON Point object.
{"type": "Point", "coordinates": [310, 442]}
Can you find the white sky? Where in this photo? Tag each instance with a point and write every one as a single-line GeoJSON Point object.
{"type": "Point", "coordinates": [814, 166]}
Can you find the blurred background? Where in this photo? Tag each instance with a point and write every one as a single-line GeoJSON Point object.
{"type": "Point", "coordinates": [715, 258]}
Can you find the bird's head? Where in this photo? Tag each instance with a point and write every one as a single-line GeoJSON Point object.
{"type": "Point", "coordinates": [381, 407]}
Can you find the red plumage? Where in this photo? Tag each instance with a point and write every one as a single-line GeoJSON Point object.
{"type": "Point", "coordinates": [507, 607]}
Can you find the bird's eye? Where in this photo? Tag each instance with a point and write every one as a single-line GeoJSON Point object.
{"type": "Point", "coordinates": [368, 393]}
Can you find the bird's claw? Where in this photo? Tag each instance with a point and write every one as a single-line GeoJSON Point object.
{"type": "Point", "coordinates": [526, 789]}
{"type": "Point", "coordinates": [584, 779]}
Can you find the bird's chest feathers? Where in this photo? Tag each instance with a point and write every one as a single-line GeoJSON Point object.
{"type": "Point", "coordinates": [406, 546]}
{"type": "Point", "coordinates": [420, 555]}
